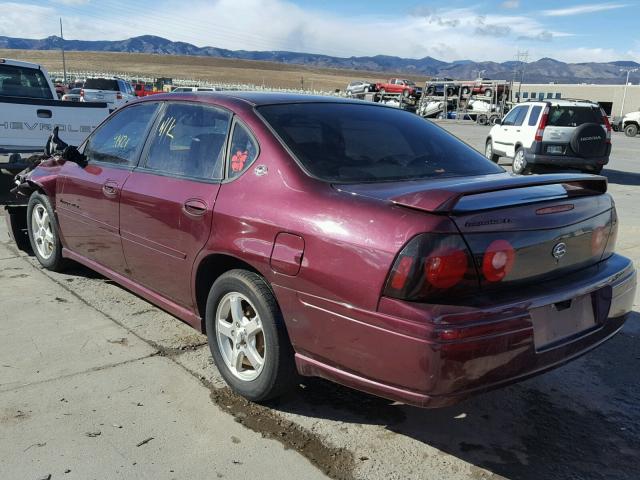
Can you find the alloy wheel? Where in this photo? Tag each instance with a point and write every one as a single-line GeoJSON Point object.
{"type": "Point", "coordinates": [488, 152]}
{"type": "Point", "coordinates": [240, 336]}
{"type": "Point", "coordinates": [42, 232]}
{"type": "Point", "coordinates": [518, 162]}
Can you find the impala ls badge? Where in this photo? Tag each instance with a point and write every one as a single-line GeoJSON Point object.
{"type": "Point", "coordinates": [559, 250]}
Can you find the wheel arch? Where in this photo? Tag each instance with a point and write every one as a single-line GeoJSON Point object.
{"type": "Point", "coordinates": [208, 270]}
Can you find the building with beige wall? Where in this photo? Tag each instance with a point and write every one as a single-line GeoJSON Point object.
{"type": "Point", "coordinates": [610, 97]}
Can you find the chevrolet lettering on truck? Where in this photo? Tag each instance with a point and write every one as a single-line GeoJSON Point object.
{"type": "Point", "coordinates": [30, 110]}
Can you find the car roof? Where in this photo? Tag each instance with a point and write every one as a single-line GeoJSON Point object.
{"type": "Point", "coordinates": [564, 102]}
{"type": "Point", "coordinates": [257, 99]}
{"type": "Point", "coordinates": [18, 63]}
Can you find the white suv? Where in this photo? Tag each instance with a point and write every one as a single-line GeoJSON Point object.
{"type": "Point", "coordinates": [573, 134]}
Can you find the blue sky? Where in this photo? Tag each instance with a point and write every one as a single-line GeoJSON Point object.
{"type": "Point", "coordinates": [574, 31]}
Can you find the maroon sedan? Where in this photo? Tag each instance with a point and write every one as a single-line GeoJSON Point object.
{"type": "Point", "coordinates": [335, 238]}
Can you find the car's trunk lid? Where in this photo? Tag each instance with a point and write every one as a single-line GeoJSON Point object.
{"type": "Point", "coordinates": [554, 223]}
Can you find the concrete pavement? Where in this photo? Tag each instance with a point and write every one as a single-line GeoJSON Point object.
{"type": "Point", "coordinates": [80, 395]}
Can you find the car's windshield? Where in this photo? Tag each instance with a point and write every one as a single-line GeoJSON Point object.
{"type": "Point", "coordinates": [570, 116]}
{"type": "Point", "coordinates": [352, 143]}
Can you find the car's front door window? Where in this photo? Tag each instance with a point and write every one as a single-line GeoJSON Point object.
{"type": "Point", "coordinates": [118, 141]}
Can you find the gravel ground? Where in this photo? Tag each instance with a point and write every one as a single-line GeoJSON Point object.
{"type": "Point", "coordinates": [581, 421]}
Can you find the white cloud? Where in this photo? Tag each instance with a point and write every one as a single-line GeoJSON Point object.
{"type": "Point", "coordinates": [72, 2]}
{"type": "Point", "coordinates": [447, 34]}
{"type": "Point", "coordinates": [581, 9]}
{"type": "Point", "coordinates": [511, 4]}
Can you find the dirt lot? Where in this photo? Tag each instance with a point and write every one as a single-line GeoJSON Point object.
{"type": "Point", "coordinates": [581, 421]}
{"type": "Point", "coordinates": [222, 70]}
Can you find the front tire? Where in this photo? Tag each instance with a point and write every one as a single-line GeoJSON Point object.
{"type": "Point", "coordinates": [631, 130]}
{"type": "Point", "coordinates": [519, 165]}
{"type": "Point", "coordinates": [488, 152]}
{"type": "Point", "coordinates": [42, 227]}
{"type": "Point", "coordinates": [247, 336]}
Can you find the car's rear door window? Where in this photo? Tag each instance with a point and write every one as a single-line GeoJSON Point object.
{"type": "Point", "coordinates": [24, 82]}
{"type": "Point", "coordinates": [348, 142]}
{"type": "Point", "coordinates": [119, 140]}
{"type": "Point", "coordinates": [189, 140]}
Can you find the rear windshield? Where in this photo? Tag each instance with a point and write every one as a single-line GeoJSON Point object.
{"type": "Point", "coordinates": [569, 116]}
{"type": "Point", "coordinates": [351, 143]}
{"type": "Point", "coordinates": [23, 82]}
{"type": "Point", "coordinates": [101, 84]}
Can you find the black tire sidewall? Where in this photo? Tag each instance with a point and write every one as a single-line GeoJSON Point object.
{"type": "Point", "coordinates": [246, 283]}
{"type": "Point", "coordinates": [525, 167]}
{"type": "Point", "coordinates": [631, 130]}
{"type": "Point", "coordinates": [55, 261]}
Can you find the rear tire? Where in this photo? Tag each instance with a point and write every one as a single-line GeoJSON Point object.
{"type": "Point", "coordinates": [247, 336]}
{"type": "Point", "coordinates": [42, 227]}
{"type": "Point", "coordinates": [519, 165]}
{"type": "Point", "coordinates": [631, 130]}
{"type": "Point", "coordinates": [488, 152]}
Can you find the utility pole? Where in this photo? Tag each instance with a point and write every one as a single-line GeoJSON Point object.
{"type": "Point", "coordinates": [624, 94]}
{"type": "Point", "coordinates": [64, 64]}
{"type": "Point", "coordinates": [522, 57]}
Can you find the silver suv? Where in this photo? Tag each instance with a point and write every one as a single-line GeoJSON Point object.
{"type": "Point", "coordinates": [569, 134]}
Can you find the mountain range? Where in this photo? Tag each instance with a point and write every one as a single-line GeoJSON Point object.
{"type": "Point", "coordinates": [541, 71]}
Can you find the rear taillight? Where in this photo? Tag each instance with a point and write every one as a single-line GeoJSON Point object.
{"type": "Point", "coordinates": [542, 125]}
{"type": "Point", "coordinates": [82, 93]}
{"type": "Point", "coordinates": [498, 260]}
{"type": "Point", "coordinates": [613, 235]}
{"type": "Point", "coordinates": [118, 96]}
{"type": "Point", "coordinates": [607, 124]}
{"type": "Point", "coordinates": [432, 267]}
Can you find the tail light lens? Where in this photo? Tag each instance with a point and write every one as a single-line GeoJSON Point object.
{"type": "Point", "coordinates": [119, 96]}
{"type": "Point", "coordinates": [613, 235]}
{"type": "Point", "coordinates": [82, 93]}
{"type": "Point", "coordinates": [543, 124]}
{"type": "Point", "coordinates": [607, 124]}
{"type": "Point", "coordinates": [498, 260]}
{"type": "Point", "coordinates": [432, 267]}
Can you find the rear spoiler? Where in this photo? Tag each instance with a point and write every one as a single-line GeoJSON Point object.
{"type": "Point", "coordinates": [443, 196]}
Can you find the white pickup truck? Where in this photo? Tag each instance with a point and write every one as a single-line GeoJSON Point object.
{"type": "Point", "coordinates": [29, 111]}
{"type": "Point", "coordinates": [631, 124]}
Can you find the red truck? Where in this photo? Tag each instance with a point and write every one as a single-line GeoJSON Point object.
{"type": "Point", "coordinates": [143, 89]}
{"type": "Point", "coordinates": [398, 85]}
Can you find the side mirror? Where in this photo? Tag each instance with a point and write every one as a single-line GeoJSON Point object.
{"type": "Point", "coordinates": [498, 121]}
{"type": "Point", "coordinates": [71, 154]}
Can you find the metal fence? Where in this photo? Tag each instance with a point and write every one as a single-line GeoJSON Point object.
{"type": "Point", "coordinates": [81, 75]}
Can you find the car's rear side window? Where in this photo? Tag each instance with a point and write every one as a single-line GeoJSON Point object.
{"type": "Point", "coordinates": [23, 82]}
{"type": "Point", "coordinates": [571, 116]}
{"type": "Point", "coordinates": [350, 143]}
{"type": "Point", "coordinates": [535, 114]}
{"type": "Point", "coordinates": [188, 141]}
{"type": "Point", "coordinates": [243, 151]}
{"type": "Point", "coordinates": [120, 138]}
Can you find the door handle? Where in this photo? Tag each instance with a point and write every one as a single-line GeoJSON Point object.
{"type": "Point", "coordinates": [44, 113]}
{"type": "Point", "coordinates": [195, 207]}
{"type": "Point", "coordinates": [517, 130]}
{"type": "Point", "coordinates": [110, 188]}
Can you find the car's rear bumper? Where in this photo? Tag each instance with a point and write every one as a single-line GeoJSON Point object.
{"type": "Point", "coordinates": [433, 356]}
{"type": "Point", "coordinates": [535, 156]}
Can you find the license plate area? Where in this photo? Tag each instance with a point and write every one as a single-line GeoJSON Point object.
{"type": "Point", "coordinates": [558, 322]}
